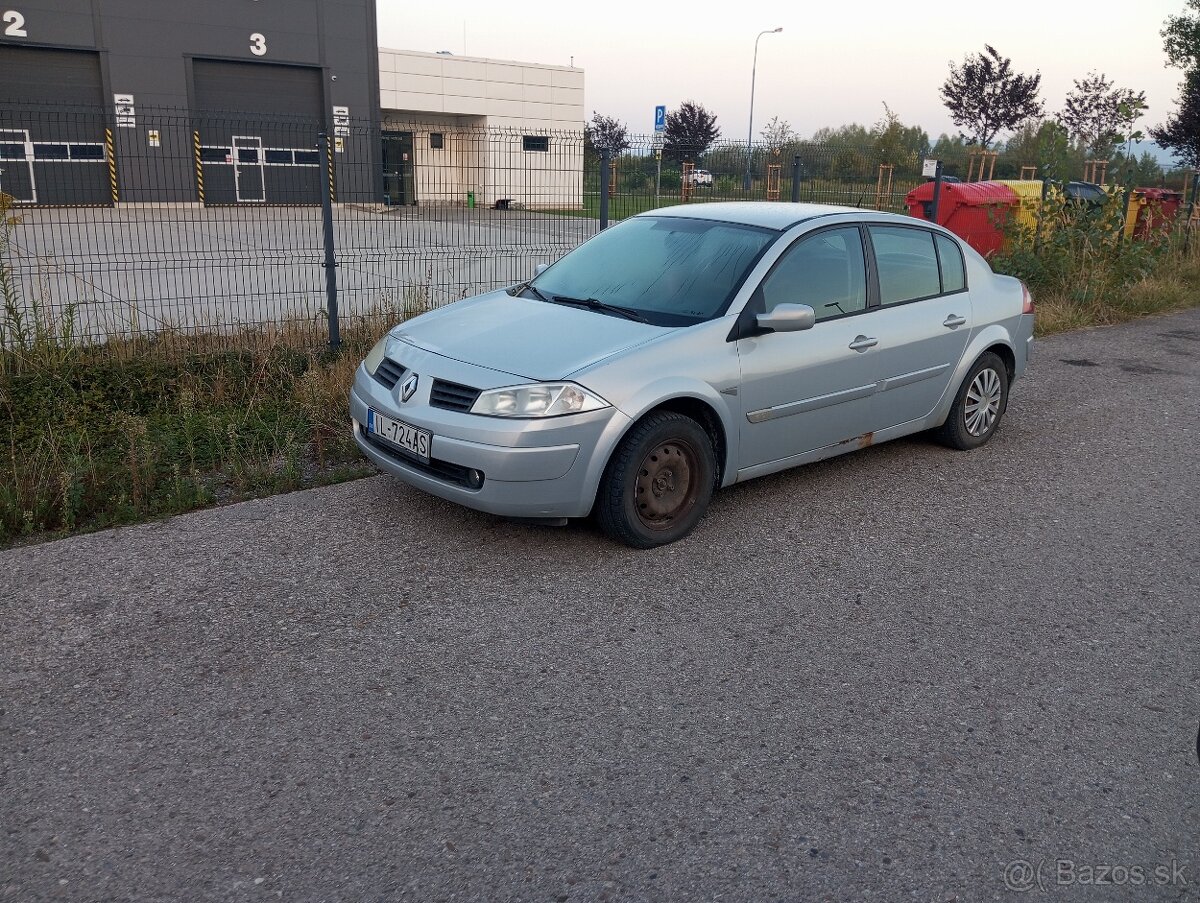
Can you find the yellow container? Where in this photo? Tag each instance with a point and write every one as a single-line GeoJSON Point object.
{"type": "Point", "coordinates": [1029, 193]}
{"type": "Point", "coordinates": [1137, 201]}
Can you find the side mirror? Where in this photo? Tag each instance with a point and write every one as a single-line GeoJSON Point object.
{"type": "Point", "coordinates": [788, 318]}
{"type": "Point", "coordinates": [540, 268]}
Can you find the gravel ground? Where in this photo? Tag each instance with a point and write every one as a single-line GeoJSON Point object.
{"type": "Point", "coordinates": [883, 677]}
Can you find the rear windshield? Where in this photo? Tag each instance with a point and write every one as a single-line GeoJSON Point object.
{"type": "Point", "coordinates": [673, 271]}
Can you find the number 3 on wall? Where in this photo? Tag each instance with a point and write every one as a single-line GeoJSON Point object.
{"type": "Point", "coordinates": [14, 24]}
{"type": "Point", "coordinates": [258, 44]}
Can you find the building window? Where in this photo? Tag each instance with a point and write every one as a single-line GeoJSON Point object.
{"type": "Point", "coordinates": [437, 140]}
{"type": "Point", "coordinates": [540, 143]}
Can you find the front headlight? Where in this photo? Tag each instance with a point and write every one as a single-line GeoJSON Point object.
{"type": "Point", "coordinates": [375, 356]}
{"type": "Point", "coordinates": [537, 400]}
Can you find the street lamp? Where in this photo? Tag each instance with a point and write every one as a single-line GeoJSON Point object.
{"type": "Point", "coordinates": [750, 137]}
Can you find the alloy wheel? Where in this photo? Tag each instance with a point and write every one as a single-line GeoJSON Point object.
{"type": "Point", "coordinates": [983, 399]}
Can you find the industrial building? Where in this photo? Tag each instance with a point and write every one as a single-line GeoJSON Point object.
{"type": "Point", "coordinates": [119, 102]}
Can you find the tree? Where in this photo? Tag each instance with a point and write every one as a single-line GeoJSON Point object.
{"type": "Point", "coordinates": [690, 131]}
{"type": "Point", "coordinates": [1181, 38]}
{"type": "Point", "coordinates": [604, 133]}
{"type": "Point", "coordinates": [1098, 116]}
{"type": "Point", "coordinates": [1181, 132]}
{"type": "Point", "coordinates": [778, 134]}
{"type": "Point", "coordinates": [898, 144]}
{"type": "Point", "coordinates": [985, 97]}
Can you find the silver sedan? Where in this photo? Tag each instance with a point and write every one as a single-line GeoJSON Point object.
{"type": "Point", "coordinates": [687, 349]}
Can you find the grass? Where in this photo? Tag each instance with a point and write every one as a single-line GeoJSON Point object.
{"type": "Point", "coordinates": [1084, 272]}
{"type": "Point", "coordinates": [117, 435]}
{"type": "Point", "coordinates": [627, 202]}
{"type": "Point", "coordinates": [1173, 285]}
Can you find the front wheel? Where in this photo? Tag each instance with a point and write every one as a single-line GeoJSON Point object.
{"type": "Point", "coordinates": [658, 483]}
{"type": "Point", "coordinates": [979, 405]}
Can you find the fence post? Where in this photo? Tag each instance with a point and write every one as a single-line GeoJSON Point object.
{"type": "Point", "coordinates": [330, 264]}
{"type": "Point", "coordinates": [1037, 233]}
{"type": "Point", "coordinates": [1187, 230]}
{"type": "Point", "coordinates": [605, 174]}
{"type": "Point", "coordinates": [796, 179]}
{"type": "Point", "coordinates": [937, 193]}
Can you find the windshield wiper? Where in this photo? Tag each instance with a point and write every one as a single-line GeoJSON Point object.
{"type": "Point", "coordinates": [528, 287]}
{"type": "Point", "coordinates": [597, 305]}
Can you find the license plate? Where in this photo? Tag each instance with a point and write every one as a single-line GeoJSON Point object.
{"type": "Point", "coordinates": [405, 436]}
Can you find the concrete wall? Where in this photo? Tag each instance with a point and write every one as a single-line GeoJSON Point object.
{"type": "Point", "coordinates": [423, 92]}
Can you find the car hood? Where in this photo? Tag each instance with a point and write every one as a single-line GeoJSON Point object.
{"type": "Point", "coordinates": [531, 339]}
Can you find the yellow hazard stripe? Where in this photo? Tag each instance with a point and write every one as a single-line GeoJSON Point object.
{"type": "Point", "coordinates": [110, 152]}
{"type": "Point", "coordinates": [332, 186]}
{"type": "Point", "coordinates": [199, 167]}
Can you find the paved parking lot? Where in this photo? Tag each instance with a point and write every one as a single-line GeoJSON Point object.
{"type": "Point", "coordinates": [896, 675]}
{"type": "Point", "coordinates": [146, 268]}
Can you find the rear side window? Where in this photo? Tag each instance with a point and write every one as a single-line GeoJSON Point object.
{"type": "Point", "coordinates": [954, 276]}
{"type": "Point", "coordinates": [907, 263]}
{"type": "Point", "coordinates": [826, 271]}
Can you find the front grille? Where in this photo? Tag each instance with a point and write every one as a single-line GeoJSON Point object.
{"type": "Point", "coordinates": [452, 396]}
{"type": "Point", "coordinates": [389, 373]}
{"type": "Point", "coordinates": [442, 470]}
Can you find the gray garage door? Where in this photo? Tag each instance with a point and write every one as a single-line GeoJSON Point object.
{"type": "Point", "coordinates": [258, 127]}
{"type": "Point", "coordinates": [52, 121]}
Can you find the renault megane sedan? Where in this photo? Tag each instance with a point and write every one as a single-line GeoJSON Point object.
{"type": "Point", "coordinates": [687, 349]}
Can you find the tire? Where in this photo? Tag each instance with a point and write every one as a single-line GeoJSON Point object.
{"type": "Point", "coordinates": [658, 483]}
{"type": "Point", "coordinates": [969, 425]}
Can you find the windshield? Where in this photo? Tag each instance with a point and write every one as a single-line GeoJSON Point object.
{"type": "Point", "coordinates": [672, 271]}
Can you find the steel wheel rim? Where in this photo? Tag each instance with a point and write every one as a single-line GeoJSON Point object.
{"type": "Point", "coordinates": [667, 484]}
{"type": "Point", "coordinates": [982, 406]}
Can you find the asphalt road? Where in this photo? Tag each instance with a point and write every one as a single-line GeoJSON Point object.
{"type": "Point", "coordinates": [883, 677]}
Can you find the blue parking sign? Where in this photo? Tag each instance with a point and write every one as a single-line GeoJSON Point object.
{"type": "Point", "coordinates": [660, 119]}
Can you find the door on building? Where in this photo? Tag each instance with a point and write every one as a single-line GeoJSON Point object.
{"type": "Point", "coordinates": [399, 168]}
{"type": "Point", "coordinates": [52, 143]}
{"type": "Point", "coordinates": [258, 125]}
{"type": "Point", "coordinates": [248, 180]}
{"type": "Point", "coordinates": [16, 166]}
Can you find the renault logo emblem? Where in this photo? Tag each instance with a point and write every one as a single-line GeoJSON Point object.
{"type": "Point", "coordinates": [409, 387]}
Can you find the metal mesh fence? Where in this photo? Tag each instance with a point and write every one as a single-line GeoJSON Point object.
{"type": "Point", "coordinates": [166, 221]}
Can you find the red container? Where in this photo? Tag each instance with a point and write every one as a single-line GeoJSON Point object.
{"type": "Point", "coordinates": [1158, 212]}
{"type": "Point", "coordinates": [976, 212]}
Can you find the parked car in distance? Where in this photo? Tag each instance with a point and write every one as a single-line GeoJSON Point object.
{"type": "Point", "coordinates": [690, 348]}
{"type": "Point", "coordinates": [702, 177]}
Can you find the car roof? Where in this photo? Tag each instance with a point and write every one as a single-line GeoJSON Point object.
{"type": "Point", "coordinates": [766, 214]}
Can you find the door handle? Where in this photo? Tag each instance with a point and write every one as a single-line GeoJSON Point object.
{"type": "Point", "coordinates": [862, 343]}
{"type": "Point", "coordinates": [954, 321]}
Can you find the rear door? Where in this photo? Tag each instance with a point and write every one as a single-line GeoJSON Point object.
{"type": "Point", "coordinates": [923, 322]}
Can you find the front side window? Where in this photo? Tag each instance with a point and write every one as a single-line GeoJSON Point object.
{"type": "Point", "coordinates": [907, 264]}
{"type": "Point", "coordinates": [671, 270]}
{"type": "Point", "coordinates": [538, 143]}
{"type": "Point", "coordinates": [826, 271]}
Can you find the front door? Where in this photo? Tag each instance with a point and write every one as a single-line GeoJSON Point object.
{"type": "Point", "coordinates": [249, 183]}
{"type": "Point", "coordinates": [16, 166]}
{"type": "Point", "coordinates": [807, 390]}
{"type": "Point", "coordinates": [399, 168]}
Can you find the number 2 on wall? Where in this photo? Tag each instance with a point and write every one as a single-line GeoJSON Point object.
{"type": "Point", "coordinates": [258, 44]}
{"type": "Point", "coordinates": [14, 24]}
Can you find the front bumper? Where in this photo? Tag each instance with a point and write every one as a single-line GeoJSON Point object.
{"type": "Point", "coordinates": [530, 468]}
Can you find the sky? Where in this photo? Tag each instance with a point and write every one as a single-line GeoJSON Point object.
{"type": "Point", "coordinates": [834, 63]}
